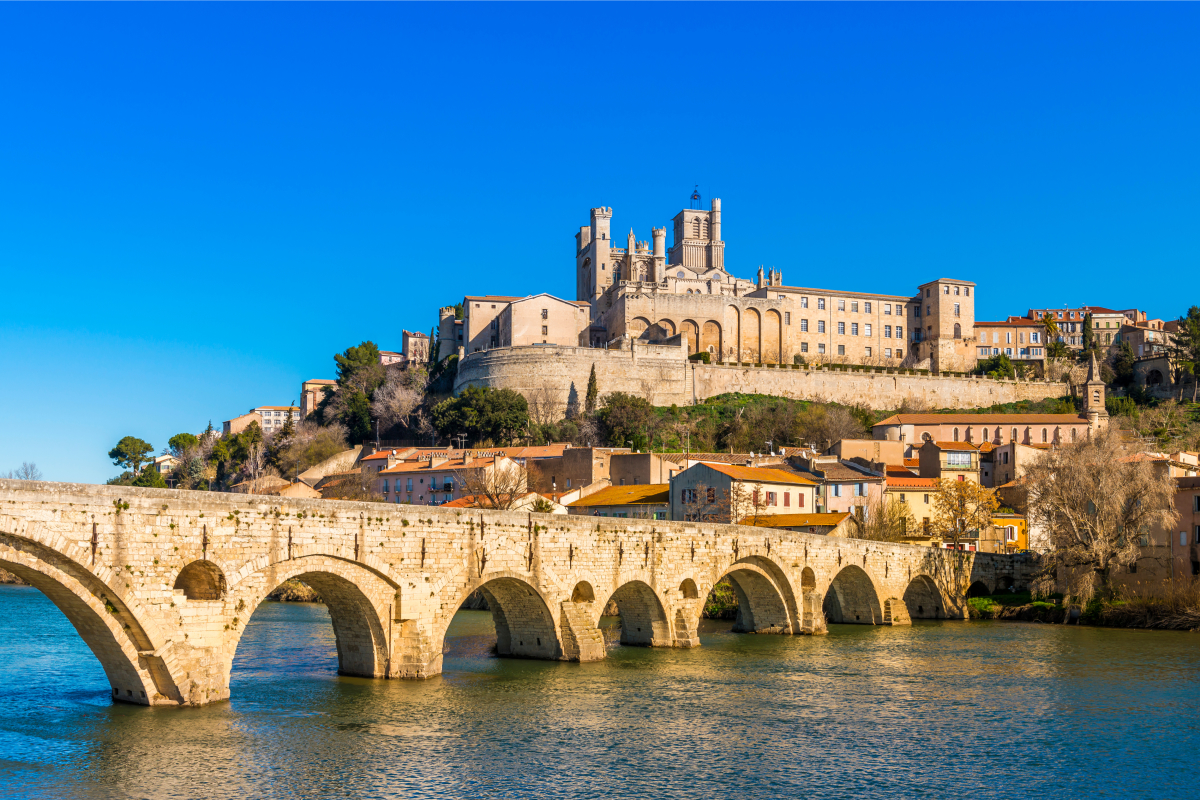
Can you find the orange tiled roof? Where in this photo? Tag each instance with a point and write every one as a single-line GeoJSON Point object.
{"type": "Point", "coordinates": [382, 454]}
{"type": "Point", "coordinates": [956, 446]}
{"type": "Point", "coordinates": [798, 520]}
{"type": "Point", "coordinates": [636, 494]}
{"type": "Point", "coordinates": [911, 483]}
{"type": "Point", "coordinates": [761, 475]}
{"type": "Point", "coordinates": [912, 462]}
{"type": "Point", "coordinates": [445, 466]}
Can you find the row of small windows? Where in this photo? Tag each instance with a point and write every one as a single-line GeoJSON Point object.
{"type": "Point", "coordinates": [867, 351]}
{"type": "Point", "coordinates": [1014, 436]}
{"type": "Point", "coordinates": [867, 328]}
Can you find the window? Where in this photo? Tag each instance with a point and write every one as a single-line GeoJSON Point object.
{"type": "Point", "coordinates": [887, 331]}
{"type": "Point", "coordinates": [841, 329]}
{"type": "Point", "coordinates": [408, 485]}
{"type": "Point", "coordinates": [804, 302]}
{"type": "Point", "coordinates": [945, 290]}
{"type": "Point", "coordinates": [927, 293]}
{"type": "Point", "coordinates": [1010, 533]}
{"type": "Point", "coordinates": [1195, 499]}
{"type": "Point", "coordinates": [956, 434]}
{"type": "Point", "coordinates": [854, 329]}
{"type": "Point", "coordinates": [928, 309]}
{"type": "Point", "coordinates": [983, 351]}
{"type": "Point", "coordinates": [804, 347]}
{"type": "Point", "coordinates": [545, 313]}
{"type": "Point", "coordinates": [868, 352]}
{"type": "Point", "coordinates": [804, 326]}
{"type": "Point", "coordinates": [899, 353]}
{"type": "Point", "coordinates": [787, 499]}
{"type": "Point", "coordinates": [821, 348]}
{"type": "Point", "coordinates": [800, 504]}
{"type": "Point", "coordinates": [966, 291]}
{"type": "Point", "coordinates": [545, 330]}
{"type": "Point", "coordinates": [860, 490]}
{"type": "Point", "coordinates": [1197, 537]}
{"type": "Point", "coordinates": [1008, 351]}
{"type": "Point", "coordinates": [820, 326]}
{"type": "Point", "coordinates": [781, 297]}
{"type": "Point", "coordinates": [899, 332]}
{"type": "Point", "coordinates": [771, 498]}
{"type": "Point", "coordinates": [958, 459]}
{"type": "Point", "coordinates": [902, 500]}
{"type": "Point", "coordinates": [787, 318]}
{"type": "Point", "coordinates": [957, 310]}
{"type": "Point", "coordinates": [867, 308]}
{"type": "Point", "coordinates": [916, 311]}
{"type": "Point", "coordinates": [841, 349]}
{"type": "Point", "coordinates": [821, 303]}
{"type": "Point", "coordinates": [385, 485]}
{"type": "Point", "coordinates": [887, 352]}
{"type": "Point", "coordinates": [854, 306]}
{"type": "Point", "coordinates": [836, 490]}
{"type": "Point", "coordinates": [841, 305]}
{"type": "Point", "coordinates": [867, 329]}
{"type": "Point", "coordinates": [887, 308]}
{"type": "Point", "coordinates": [927, 503]}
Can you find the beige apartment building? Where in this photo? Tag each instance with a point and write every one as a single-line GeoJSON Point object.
{"type": "Point", "coordinates": [491, 321]}
{"type": "Point", "coordinates": [274, 417]}
{"type": "Point", "coordinates": [1019, 338]}
{"type": "Point", "coordinates": [729, 493]}
{"type": "Point", "coordinates": [998, 429]}
{"type": "Point", "coordinates": [650, 293]}
{"type": "Point", "coordinates": [414, 350]}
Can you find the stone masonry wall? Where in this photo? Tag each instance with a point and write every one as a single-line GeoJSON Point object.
{"type": "Point", "coordinates": [661, 374]}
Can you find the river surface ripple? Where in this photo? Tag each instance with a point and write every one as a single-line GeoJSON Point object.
{"type": "Point", "coordinates": [939, 709]}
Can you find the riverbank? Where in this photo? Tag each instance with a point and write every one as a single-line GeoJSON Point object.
{"type": "Point", "coordinates": [8, 579]}
{"type": "Point", "coordinates": [1176, 611]}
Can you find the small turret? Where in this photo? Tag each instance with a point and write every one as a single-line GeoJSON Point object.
{"type": "Point", "coordinates": [660, 242]}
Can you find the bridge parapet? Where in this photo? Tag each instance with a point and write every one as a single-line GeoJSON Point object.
{"type": "Point", "coordinates": [161, 583]}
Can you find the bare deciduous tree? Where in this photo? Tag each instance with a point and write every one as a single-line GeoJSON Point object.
{"type": "Point", "coordinates": [705, 503]}
{"type": "Point", "coordinates": [400, 396]}
{"type": "Point", "coordinates": [28, 471]}
{"type": "Point", "coordinates": [1098, 501]}
{"type": "Point", "coordinates": [888, 520]}
{"type": "Point", "coordinates": [544, 407]}
{"type": "Point", "coordinates": [499, 483]}
{"type": "Point", "coordinates": [960, 507]}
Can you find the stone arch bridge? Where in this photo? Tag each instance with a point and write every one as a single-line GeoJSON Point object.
{"type": "Point", "coordinates": [161, 583]}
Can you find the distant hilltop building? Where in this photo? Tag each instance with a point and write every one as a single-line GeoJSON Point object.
{"type": "Point", "coordinates": [651, 293]}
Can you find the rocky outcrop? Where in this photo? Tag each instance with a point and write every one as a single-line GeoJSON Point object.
{"type": "Point", "coordinates": [294, 591]}
{"type": "Point", "coordinates": [9, 578]}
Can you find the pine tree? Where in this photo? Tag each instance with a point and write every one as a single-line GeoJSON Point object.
{"type": "Point", "coordinates": [593, 391]}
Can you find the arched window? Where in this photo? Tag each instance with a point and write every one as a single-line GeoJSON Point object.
{"type": "Point", "coordinates": [1073, 434]}
{"type": "Point", "coordinates": [1014, 435]}
{"type": "Point", "coordinates": [957, 331]}
{"type": "Point", "coordinates": [956, 434]}
{"type": "Point", "coordinates": [985, 438]}
{"type": "Point", "coordinates": [696, 228]}
{"type": "Point", "coordinates": [1043, 435]}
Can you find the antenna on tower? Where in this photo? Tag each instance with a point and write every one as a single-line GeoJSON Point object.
{"type": "Point", "coordinates": [695, 198]}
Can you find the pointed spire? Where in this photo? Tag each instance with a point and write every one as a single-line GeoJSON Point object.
{"type": "Point", "coordinates": [1094, 370]}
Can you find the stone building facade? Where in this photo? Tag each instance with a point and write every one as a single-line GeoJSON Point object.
{"type": "Point", "coordinates": [650, 293]}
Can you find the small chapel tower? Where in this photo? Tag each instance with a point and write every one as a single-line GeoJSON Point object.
{"type": "Point", "coordinates": [1093, 398]}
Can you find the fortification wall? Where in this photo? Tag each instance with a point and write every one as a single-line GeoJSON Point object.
{"type": "Point", "coordinates": [559, 375]}
{"type": "Point", "coordinates": [660, 373]}
{"type": "Point", "coordinates": [871, 389]}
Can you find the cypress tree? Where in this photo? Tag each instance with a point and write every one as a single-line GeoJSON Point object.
{"type": "Point", "coordinates": [593, 390]}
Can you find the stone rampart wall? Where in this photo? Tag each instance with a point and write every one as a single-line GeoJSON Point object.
{"type": "Point", "coordinates": [871, 389]}
{"type": "Point", "coordinates": [661, 374]}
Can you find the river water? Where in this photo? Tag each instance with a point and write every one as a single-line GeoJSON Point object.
{"type": "Point", "coordinates": [939, 709]}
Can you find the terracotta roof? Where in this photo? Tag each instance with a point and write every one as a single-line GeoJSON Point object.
{"type": "Point", "coordinates": [898, 471]}
{"type": "Point", "coordinates": [490, 297]}
{"type": "Point", "coordinates": [911, 483]}
{"type": "Point", "coordinates": [839, 471]}
{"type": "Point", "coordinates": [986, 447]}
{"type": "Point", "coordinates": [762, 474]}
{"type": "Point", "coordinates": [279, 408]}
{"type": "Point", "coordinates": [475, 501]}
{"type": "Point", "coordinates": [797, 520]}
{"type": "Point", "coordinates": [956, 446]}
{"type": "Point", "coordinates": [982, 419]}
{"type": "Point", "coordinates": [383, 454]}
{"type": "Point", "coordinates": [912, 462]}
{"type": "Point", "coordinates": [1020, 322]}
{"type": "Point", "coordinates": [417, 466]}
{"type": "Point", "coordinates": [719, 458]}
{"type": "Point", "coordinates": [636, 494]}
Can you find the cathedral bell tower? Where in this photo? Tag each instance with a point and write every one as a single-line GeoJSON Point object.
{"type": "Point", "coordinates": [1093, 398]}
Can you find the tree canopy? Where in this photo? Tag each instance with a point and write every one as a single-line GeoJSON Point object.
{"type": "Point", "coordinates": [130, 453]}
{"type": "Point", "coordinates": [182, 441]}
{"type": "Point", "coordinates": [483, 414]}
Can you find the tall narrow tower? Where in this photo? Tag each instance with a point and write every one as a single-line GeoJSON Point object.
{"type": "Point", "coordinates": [1093, 398]}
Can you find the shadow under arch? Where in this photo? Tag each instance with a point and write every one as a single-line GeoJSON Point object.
{"type": "Point", "coordinates": [525, 628]}
{"type": "Point", "coordinates": [643, 618]}
{"type": "Point", "coordinates": [201, 580]}
{"type": "Point", "coordinates": [766, 603]}
{"type": "Point", "coordinates": [852, 598]}
{"type": "Point", "coordinates": [923, 600]}
{"type": "Point", "coordinates": [107, 625]}
{"type": "Point", "coordinates": [978, 589]}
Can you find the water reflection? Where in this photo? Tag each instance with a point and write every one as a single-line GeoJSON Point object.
{"type": "Point", "coordinates": [938, 709]}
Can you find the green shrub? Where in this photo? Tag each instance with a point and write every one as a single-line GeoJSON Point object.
{"type": "Point", "coordinates": [703, 355]}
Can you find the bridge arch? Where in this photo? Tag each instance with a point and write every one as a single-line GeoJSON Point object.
{"type": "Point", "coordinates": [525, 625]}
{"type": "Point", "coordinates": [644, 620]}
{"type": "Point", "coordinates": [852, 598]}
{"type": "Point", "coordinates": [766, 602]}
{"type": "Point", "coordinates": [358, 600]}
{"type": "Point", "coordinates": [129, 652]}
{"type": "Point", "coordinates": [201, 580]}
{"type": "Point", "coordinates": [923, 600]}
{"type": "Point", "coordinates": [978, 588]}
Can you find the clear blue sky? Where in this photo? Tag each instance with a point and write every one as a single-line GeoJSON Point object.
{"type": "Point", "coordinates": [201, 203]}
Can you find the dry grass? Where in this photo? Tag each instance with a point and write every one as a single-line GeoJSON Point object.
{"type": "Point", "coordinates": [1176, 608]}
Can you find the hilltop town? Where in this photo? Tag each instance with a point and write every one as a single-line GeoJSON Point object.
{"type": "Point", "coordinates": [671, 388]}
